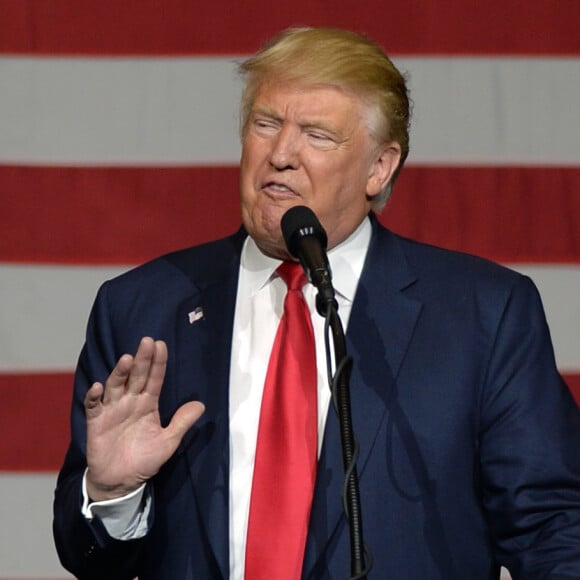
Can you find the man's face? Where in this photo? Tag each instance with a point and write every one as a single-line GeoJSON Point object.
{"type": "Point", "coordinates": [309, 145]}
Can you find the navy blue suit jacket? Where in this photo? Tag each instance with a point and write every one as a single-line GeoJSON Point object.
{"type": "Point", "coordinates": [469, 439]}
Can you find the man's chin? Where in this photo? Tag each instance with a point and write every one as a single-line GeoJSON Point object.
{"type": "Point", "coordinates": [264, 227]}
{"type": "Point", "coordinates": [273, 248]}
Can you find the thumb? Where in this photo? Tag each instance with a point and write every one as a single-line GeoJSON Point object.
{"type": "Point", "coordinates": [184, 418]}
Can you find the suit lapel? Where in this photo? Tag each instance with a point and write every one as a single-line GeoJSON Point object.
{"type": "Point", "coordinates": [380, 329]}
{"type": "Point", "coordinates": [204, 338]}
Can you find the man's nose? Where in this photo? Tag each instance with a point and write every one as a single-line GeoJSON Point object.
{"type": "Point", "coordinates": [285, 148]}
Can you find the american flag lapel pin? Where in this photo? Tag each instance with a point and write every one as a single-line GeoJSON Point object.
{"type": "Point", "coordinates": [195, 315]}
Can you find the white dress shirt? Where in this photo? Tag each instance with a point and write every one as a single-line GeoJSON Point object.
{"type": "Point", "coordinates": [259, 306]}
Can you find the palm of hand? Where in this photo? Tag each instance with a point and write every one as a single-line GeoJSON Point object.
{"type": "Point", "coordinates": [126, 444]}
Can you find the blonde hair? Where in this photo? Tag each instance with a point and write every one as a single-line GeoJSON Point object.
{"type": "Point", "coordinates": [343, 59]}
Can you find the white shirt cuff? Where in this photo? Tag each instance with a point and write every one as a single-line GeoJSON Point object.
{"type": "Point", "coordinates": [124, 518]}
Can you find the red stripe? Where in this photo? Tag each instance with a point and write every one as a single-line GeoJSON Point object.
{"type": "Point", "coordinates": [112, 215]}
{"type": "Point", "coordinates": [225, 27]}
{"type": "Point", "coordinates": [129, 215]}
{"type": "Point", "coordinates": [508, 214]}
{"type": "Point", "coordinates": [573, 382]}
{"type": "Point", "coordinates": [34, 419]}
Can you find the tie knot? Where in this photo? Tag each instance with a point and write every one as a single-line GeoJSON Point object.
{"type": "Point", "coordinates": [292, 274]}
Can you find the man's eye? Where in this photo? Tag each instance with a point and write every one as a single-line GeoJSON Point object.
{"type": "Point", "coordinates": [265, 125]}
{"type": "Point", "coordinates": [323, 140]}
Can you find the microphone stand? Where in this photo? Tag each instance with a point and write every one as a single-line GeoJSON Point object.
{"type": "Point", "coordinates": [306, 240]}
{"type": "Point", "coordinates": [327, 306]}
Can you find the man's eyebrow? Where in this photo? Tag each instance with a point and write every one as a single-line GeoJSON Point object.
{"type": "Point", "coordinates": [267, 111]}
{"type": "Point", "coordinates": [320, 124]}
{"type": "Point", "coordinates": [312, 123]}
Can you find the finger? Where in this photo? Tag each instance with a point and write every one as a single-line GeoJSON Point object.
{"type": "Point", "coordinates": [141, 366]}
{"type": "Point", "coordinates": [115, 385]}
{"type": "Point", "coordinates": [157, 369]}
{"type": "Point", "coordinates": [93, 400]}
{"type": "Point", "coordinates": [183, 420]}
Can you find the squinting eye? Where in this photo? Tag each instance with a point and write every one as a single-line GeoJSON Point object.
{"type": "Point", "coordinates": [264, 125]}
{"type": "Point", "coordinates": [321, 140]}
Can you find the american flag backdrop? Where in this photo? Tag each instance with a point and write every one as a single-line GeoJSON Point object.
{"type": "Point", "coordinates": [119, 142]}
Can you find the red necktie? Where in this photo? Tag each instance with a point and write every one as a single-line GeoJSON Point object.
{"type": "Point", "coordinates": [286, 451]}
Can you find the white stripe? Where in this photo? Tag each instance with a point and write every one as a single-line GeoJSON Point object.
{"type": "Point", "coordinates": [26, 545]}
{"type": "Point", "coordinates": [495, 111]}
{"type": "Point", "coordinates": [44, 313]}
{"type": "Point", "coordinates": [45, 308]}
{"type": "Point", "coordinates": [164, 111]}
{"type": "Point", "coordinates": [118, 111]}
{"type": "Point", "coordinates": [559, 288]}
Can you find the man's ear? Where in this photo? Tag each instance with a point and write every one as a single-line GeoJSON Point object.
{"type": "Point", "coordinates": [385, 162]}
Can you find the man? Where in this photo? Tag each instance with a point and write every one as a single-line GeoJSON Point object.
{"type": "Point", "coordinates": [469, 440]}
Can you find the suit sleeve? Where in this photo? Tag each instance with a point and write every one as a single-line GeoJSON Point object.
{"type": "Point", "coordinates": [530, 446]}
{"type": "Point", "coordinates": [84, 547]}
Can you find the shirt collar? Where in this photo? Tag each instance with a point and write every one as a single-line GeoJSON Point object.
{"type": "Point", "coordinates": [346, 262]}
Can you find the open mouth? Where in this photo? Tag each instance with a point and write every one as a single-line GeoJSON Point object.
{"type": "Point", "coordinates": [278, 189]}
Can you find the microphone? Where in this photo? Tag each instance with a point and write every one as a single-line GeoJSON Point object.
{"type": "Point", "coordinates": [306, 240]}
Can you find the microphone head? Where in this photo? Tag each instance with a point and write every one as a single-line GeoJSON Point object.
{"type": "Point", "coordinates": [298, 222]}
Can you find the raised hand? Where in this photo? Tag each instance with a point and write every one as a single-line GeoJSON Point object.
{"type": "Point", "coordinates": [126, 444]}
